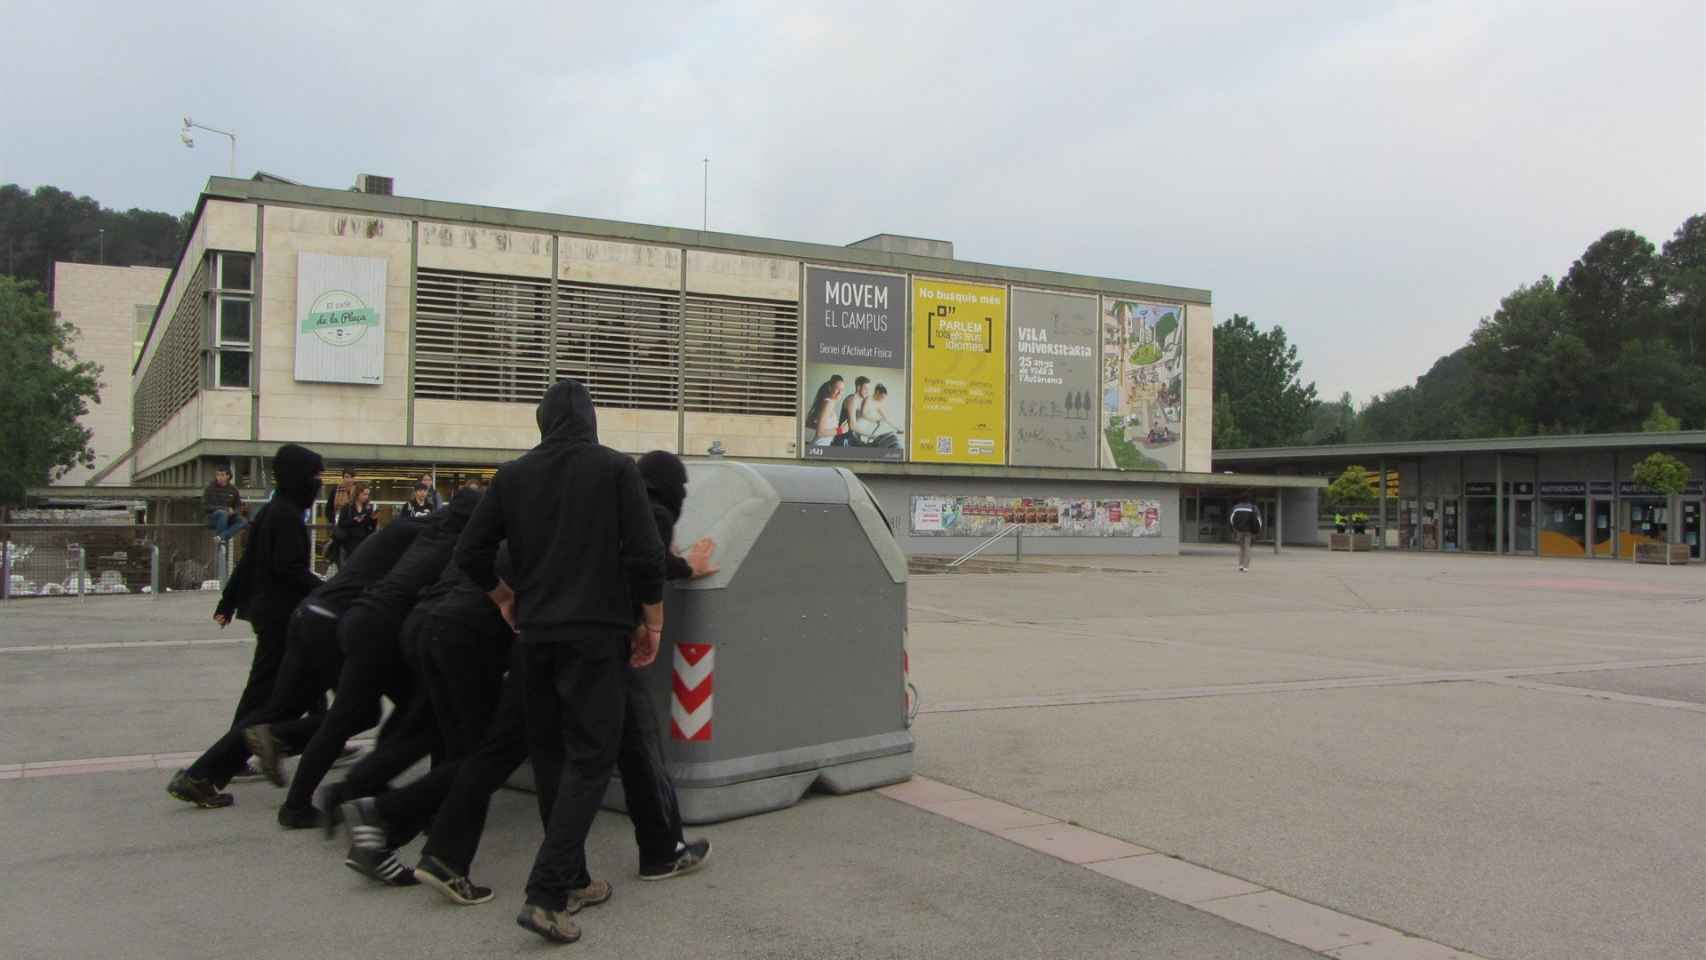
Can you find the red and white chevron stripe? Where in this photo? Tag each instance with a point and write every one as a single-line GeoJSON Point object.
{"type": "Point", "coordinates": [690, 707]}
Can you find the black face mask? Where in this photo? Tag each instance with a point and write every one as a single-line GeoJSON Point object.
{"type": "Point", "coordinates": [298, 469]}
{"type": "Point", "coordinates": [666, 479]}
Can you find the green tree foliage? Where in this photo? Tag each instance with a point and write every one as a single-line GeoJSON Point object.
{"type": "Point", "coordinates": [1255, 375]}
{"type": "Point", "coordinates": [48, 224]}
{"type": "Point", "coordinates": [1332, 422]}
{"type": "Point", "coordinates": [1623, 331]}
{"type": "Point", "coordinates": [43, 390]}
{"type": "Point", "coordinates": [1660, 422]}
{"type": "Point", "coordinates": [1662, 473]}
{"type": "Point", "coordinates": [1354, 487]}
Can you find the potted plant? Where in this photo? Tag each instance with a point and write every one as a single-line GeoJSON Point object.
{"type": "Point", "coordinates": [1355, 487]}
{"type": "Point", "coordinates": [1666, 475]}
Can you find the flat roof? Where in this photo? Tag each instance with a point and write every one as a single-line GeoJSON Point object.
{"type": "Point", "coordinates": [1546, 443]}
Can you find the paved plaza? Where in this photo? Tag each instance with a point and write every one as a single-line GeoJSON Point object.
{"type": "Point", "coordinates": [1363, 757]}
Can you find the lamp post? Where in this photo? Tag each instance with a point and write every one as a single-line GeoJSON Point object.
{"type": "Point", "coordinates": [189, 141]}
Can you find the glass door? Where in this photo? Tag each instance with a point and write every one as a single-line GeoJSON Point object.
{"type": "Point", "coordinates": [1449, 525]}
{"type": "Point", "coordinates": [1600, 528]}
{"type": "Point", "coordinates": [1691, 527]}
{"type": "Point", "coordinates": [1522, 526]}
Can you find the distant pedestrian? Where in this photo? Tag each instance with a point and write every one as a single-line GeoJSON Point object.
{"type": "Point", "coordinates": [420, 505]}
{"type": "Point", "coordinates": [431, 484]}
{"type": "Point", "coordinates": [356, 522]}
{"type": "Point", "coordinates": [224, 505]}
{"type": "Point", "coordinates": [1246, 520]}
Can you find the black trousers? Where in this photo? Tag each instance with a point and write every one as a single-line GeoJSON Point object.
{"type": "Point", "coordinates": [296, 706]}
{"type": "Point", "coordinates": [372, 669]}
{"type": "Point", "coordinates": [461, 669]}
{"type": "Point", "coordinates": [410, 733]}
{"type": "Point", "coordinates": [574, 695]}
{"type": "Point", "coordinates": [270, 640]}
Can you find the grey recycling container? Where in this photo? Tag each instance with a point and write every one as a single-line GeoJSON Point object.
{"type": "Point", "coordinates": [786, 670]}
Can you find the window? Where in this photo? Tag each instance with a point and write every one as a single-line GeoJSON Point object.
{"type": "Point", "coordinates": [233, 341]}
{"type": "Point", "coordinates": [236, 271]}
{"type": "Point", "coordinates": [743, 356]}
{"type": "Point", "coordinates": [481, 337]}
{"type": "Point", "coordinates": [622, 342]}
{"type": "Point", "coordinates": [233, 368]}
{"type": "Point", "coordinates": [234, 322]}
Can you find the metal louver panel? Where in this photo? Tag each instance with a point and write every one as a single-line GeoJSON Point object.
{"type": "Point", "coordinates": [742, 356]}
{"type": "Point", "coordinates": [622, 342]}
{"type": "Point", "coordinates": [174, 371]}
{"type": "Point", "coordinates": [481, 337]}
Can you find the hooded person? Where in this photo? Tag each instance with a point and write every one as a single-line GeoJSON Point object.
{"type": "Point", "coordinates": [585, 553]}
{"type": "Point", "coordinates": [271, 580]}
{"type": "Point", "coordinates": [369, 634]}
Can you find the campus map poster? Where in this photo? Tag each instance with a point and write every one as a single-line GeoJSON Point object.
{"type": "Point", "coordinates": [1143, 385]}
{"type": "Point", "coordinates": [959, 374]}
{"type": "Point", "coordinates": [855, 383]}
{"type": "Point", "coordinates": [1040, 516]}
{"type": "Point", "coordinates": [1054, 412]}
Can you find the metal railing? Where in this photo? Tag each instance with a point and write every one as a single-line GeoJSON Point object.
{"type": "Point", "coordinates": [46, 560]}
{"type": "Point", "coordinates": [1019, 550]}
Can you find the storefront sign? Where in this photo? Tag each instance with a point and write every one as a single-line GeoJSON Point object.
{"type": "Point", "coordinates": [1479, 489]}
{"type": "Point", "coordinates": [1039, 516]}
{"type": "Point", "coordinates": [1601, 488]}
{"type": "Point", "coordinates": [959, 374]}
{"type": "Point", "coordinates": [1143, 385]}
{"type": "Point", "coordinates": [1053, 416]}
{"type": "Point", "coordinates": [1629, 488]}
{"type": "Point", "coordinates": [1563, 488]}
{"type": "Point", "coordinates": [340, 319]}
{"type": "Point", "coordinates": [855, 375]}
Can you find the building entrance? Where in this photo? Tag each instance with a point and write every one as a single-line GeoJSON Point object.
{"type": "Point", "coordinates": [1563, 528]}
{"type": "Point", "coordinates": [1522, 526]}
{"type": "Point", "coordinates": [1481, 524]}
{"type": "Point", "coordinates": [1600, 529]}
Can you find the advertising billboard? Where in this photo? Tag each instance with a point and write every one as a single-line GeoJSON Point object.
{"type": "Point", "coordinates": [855, 372]}
{"type": "Point", "coordinates": [340, 319]}
{"type": "Point", "coordinates": [1053, 408]}
{"type": "Point", "coordinates": [948, 516]}
{"type": "Point", "coordinates": [959, 372]}
{"type": "Point", "coordinates": [1143, 385]}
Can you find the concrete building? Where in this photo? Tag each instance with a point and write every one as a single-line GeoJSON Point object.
{"type": "Point", "coordinates": [111, 308]}
{"type": "Point", "coordinates": [403, 336]}
{"type": "Point", "coordinates": [1556, 495]}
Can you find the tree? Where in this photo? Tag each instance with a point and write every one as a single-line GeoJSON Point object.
{"type": "Point", "coordinates": [48, 224]}
{"type": "Point", "coordinates": [43, 390]}
{"type": "Point", "coordinates": [1660, 422]}
{"type": "Point", "coordinates": [1256, 373]}
{"type": "Point", "coordinates": [1682, 269]}
{"type": "Point", "coordinates": [1227, 436]}
{"type": "Point", "coordinates": [1613, 293]}
{"type": "Point", "coordinates": [1354, 487]}
{"type": "Point", "coordinates": [1662, 473]}
{"type": "Point", "coordinates": [1331, 422]}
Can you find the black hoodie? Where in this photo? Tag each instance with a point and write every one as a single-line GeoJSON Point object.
{"type": "Point", "coordinates": [366, 566]}
{"type": "Point", "coordinates": [666, 486]}
{"type": "Point", "coordinates": [423, 563]}
{"type": "Point", "coordinates": [580, 530]}
{"type": "Point", "coordinates": [278, 574]}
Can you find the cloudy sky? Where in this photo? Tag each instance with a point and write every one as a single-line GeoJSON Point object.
{"type": "Point", "coordinates": [1372, 176]}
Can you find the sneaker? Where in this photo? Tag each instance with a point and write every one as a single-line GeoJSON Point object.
{"type": "Point", "coordinates": [553, 925]}
{"type": "Point", "coordinates": [298, 818]}
{"type": "Point", "coordinates": [367, 828]}
{"type": "Point", "coordinates": [268, 753]}
{"type": "Point", "coordinates": [688, 858]}
{"type": "Point", "coordinates": [198, 791]}
{"type": "Point", "coordinates": [457, 888]}
{"type": "Point", "coordinates": [380, 865]}
{"type": "Point", "coordinates": [250, 774]}
{"type": "Point", "coordinates": [590, 895]}
{"type": "Point", "coordinates": [329, 804]}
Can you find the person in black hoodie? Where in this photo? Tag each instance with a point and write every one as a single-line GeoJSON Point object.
{"type": "Point", "coordinates": [368, 634]}
{"type": "Point", "coordinates": [584, 552]}
{"type": "Point", "coordinates": [460, 792]}
{"type": "Point", "coordinates": [273, 577]}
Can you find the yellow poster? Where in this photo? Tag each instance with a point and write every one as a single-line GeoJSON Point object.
{"type": "Point", "coordinates": [959, 372]}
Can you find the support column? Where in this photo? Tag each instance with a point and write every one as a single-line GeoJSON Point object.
{"type": "Point", "coordinates": [1279, 517]}
{"type": "Point", "coordinates": [1499, 504]}
{"type": "Point", "coordinates": [1381, 526]}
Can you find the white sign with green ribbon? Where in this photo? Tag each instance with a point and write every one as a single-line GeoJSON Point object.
{"type": "Point", "coordinates": [340, 319]}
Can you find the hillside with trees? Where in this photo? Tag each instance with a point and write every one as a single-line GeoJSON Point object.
{"type": "Point", "coordinates": [40, 226]}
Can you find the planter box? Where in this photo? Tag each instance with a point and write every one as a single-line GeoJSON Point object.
{"type": "Point", "coordinates": [1665, 553]}
{"type": "Point", "coordinates": [1354, 542]}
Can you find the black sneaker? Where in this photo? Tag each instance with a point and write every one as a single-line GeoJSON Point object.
{"type": "Point", "coordinates": [250, 774]}
{"type": "Point", "coordinates": [553, 925]}
{"type": "Point", "coordinates": [198, 791]}
{"type": "Point", "coordinates": [689, 858]}
{"type": "Point", "coordinates": [329, 804]}
{"type": "Point", "coordinates": [298, 818]}
{"type": "Point", "coordinates": [268, 753]}
{"type": "Point", "coordinates": [457, 888]}
{"type": "Point", "coordinates": [367, 829]}
{"type": "Point", "coordinates": [381, 865]}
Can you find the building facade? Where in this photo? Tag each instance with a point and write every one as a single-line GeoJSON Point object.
{"type": "Point", "coordinates": [404, 336]}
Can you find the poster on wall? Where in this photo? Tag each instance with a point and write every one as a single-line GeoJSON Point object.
{"type": "Point", "coordinates": [855, 374]}
{"type": "Point", "coordinates": [959, 372]}
{"type": "Point", "coordinates": [1040, 516]}
{"type": "Point", "coordinates": [1143, 385]}
{"type": "Point", "coordinates": [340, 319]}
{"type": "Point", "coordinates": [1053, 407]}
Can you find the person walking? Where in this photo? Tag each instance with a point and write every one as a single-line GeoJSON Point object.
{"type": "Point", "coordinates": [273, 579]}
{"type": "Point", "coordinates": [585, 553]}
{"type": "Point", "coordinates": [224, 505]}
{"type": "Point", "coordinates": [1246, 520]}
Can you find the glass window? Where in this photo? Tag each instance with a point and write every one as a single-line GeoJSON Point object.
{"type": "Point", "coordinates": [235, 271]}
{"type": "Point", "coordinates": [233, 368]}
{"type": "Point", "coordinates": [234, 321]}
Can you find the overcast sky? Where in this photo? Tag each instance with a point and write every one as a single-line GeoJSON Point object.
{"type": "Point", "coordinates": [1373, 177]}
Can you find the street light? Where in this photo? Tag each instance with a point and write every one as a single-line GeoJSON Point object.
{"type": "Point", "coordinates": [189, 141]}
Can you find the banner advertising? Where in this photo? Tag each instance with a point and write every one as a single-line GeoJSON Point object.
{"type": "Point", "coordinates": [959, 372]}
{"type": "Point", "coordinates": [340, 319]}
{"type": "Point", "coordinates": [1041, 516]}
{"type": "Point", "coordinates": [855, 382]}
{"type": "Point", "coordinates": [1143, 385]}
{"type": "Point", "coordinates": [1053, 408]}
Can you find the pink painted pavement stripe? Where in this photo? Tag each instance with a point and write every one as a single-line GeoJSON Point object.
{"type": "Point", "coordinates": [1071, 843]}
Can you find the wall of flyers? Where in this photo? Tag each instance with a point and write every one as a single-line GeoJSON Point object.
{"type": "Point", "coordinates": [946, 516]}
